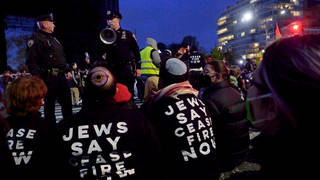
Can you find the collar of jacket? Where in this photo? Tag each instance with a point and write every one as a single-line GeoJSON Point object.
{"type": "Point", "coordinates": [45, 33]}
{"type": "Point", "coordinates": [174, 90]}
{"type": "Point", "coordinates": [119, 30]}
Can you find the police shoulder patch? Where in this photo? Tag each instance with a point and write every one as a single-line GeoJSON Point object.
{"type": "Point", "coordinates": [30, 43]}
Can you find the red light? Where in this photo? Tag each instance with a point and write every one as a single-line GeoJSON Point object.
{"type": "Point", "coordinates": [295, 27]}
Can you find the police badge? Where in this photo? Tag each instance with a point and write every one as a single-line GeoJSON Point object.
{"type": "Point", "coordinates": [30, 43]}
{"type": "Point", "coordinates": [124, 35]}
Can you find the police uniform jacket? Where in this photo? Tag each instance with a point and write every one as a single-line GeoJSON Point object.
{"type": "Point", "coordinates": [185, 131]}
{"type": "Point", "coordinates": [123, 51]}
{"type": "Point", "coordinates": [32, 141]}
{"type": "Point", "coordinates": [232, 128]}
{"type": "Point", "coordinates": [44, 52]}
{"type": "Point", "coordinates": [107, 140]}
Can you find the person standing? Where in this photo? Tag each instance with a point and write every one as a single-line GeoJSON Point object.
{"type": "Point", "coordinates": [46, 59]}
{"type": "Point", "coordinates": [75, 85]}
{"type": "Point", "coordinates": [150, 62]}
{"type": "Point", "coordinates": [123, 55]}
{"type": "Point", "coordinates": [196, 62]}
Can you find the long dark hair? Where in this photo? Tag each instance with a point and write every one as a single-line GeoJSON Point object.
{"type": "Point", "coordinates": [291, 70]}
{"type": "Point", "coordinates": [220, 67]}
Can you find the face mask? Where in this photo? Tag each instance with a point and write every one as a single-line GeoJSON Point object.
{"type": "Point", "coordinates": [204, 80]}
{"type": "Point", "coordinates": [262, 113]}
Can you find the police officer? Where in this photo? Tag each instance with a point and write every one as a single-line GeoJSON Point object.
{"type": "Point", "coordinates": [123, 56]}
{"type": "Point", "coordinates": [46, 59]}
{"type": "Point", "coordinates": [196, 63]}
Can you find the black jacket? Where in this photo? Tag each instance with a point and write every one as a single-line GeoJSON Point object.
{"type": "Point", "coordinates": [44, 52]}
{"type": "Point", "coordinates": [232, 128]}
{"type": "Point", "coordinates": [123, 51]}
{"type": "Point", "coordinates": [185, 131]}
{"type": "Point", "coordinates": [196, 60]}
{"type": "Point", "coordinates": [32, 143]}
{"type": "Point", "coordinates": [109, 140]}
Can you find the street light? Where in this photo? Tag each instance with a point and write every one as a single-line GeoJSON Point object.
{"type": "Point", "coordinates": [246, 17]}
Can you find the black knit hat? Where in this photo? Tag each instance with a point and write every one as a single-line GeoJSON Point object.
{"type": "Point", "coordinates": [45, 17]}
{"type": "Point", "coordinates": [113, 14]}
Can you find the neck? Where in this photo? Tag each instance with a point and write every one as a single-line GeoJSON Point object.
{"type": "Point", "coordinates": [46, 31]}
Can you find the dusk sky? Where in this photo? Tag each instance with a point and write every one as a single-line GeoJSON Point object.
{"type": "Point", "coordinates": [169, 21]}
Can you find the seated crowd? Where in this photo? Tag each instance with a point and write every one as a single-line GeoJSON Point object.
{"type": "Point", "coordinates": [180, 132]}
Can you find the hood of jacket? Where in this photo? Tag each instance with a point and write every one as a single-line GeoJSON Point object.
{"type": "Point", "coordinates": [151, 42]}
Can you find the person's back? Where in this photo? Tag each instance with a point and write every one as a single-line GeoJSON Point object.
{"type": "Point", "coordinates": [31, 139]}
{"type": "Point", "coordinates": [227, 107]}
{"type": "Point", "coordinates": [196, 63]}
{"type": "Point", "coordinates": [107, 139]}
{"type": "Point", "coordinates": [184, 127]}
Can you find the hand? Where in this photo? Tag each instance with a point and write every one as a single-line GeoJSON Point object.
{"type": "Point", "coordinates": [138, 72]}
{"type": "Point", "coordinates": [68, 75]}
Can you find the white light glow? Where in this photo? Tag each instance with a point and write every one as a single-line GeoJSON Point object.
{"type": "Point", "coordinates": [247, 17]}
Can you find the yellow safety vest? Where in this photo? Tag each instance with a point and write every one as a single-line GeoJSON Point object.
{"type": "Point", "coordinates": [147, 66]}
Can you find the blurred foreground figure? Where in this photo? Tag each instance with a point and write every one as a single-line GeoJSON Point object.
{"type": "Point", "coordinates": [281, 103]}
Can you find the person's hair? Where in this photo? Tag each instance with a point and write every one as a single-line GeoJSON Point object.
{"type": "Point", "coordinates": [220, 67]}
{"type": "Point", "coordinates": [25, 95]}
{"type": "Point", "coordinates": [194, 48]}
{"type": "Point", "coordinates": [235, 70]}
{"type": "Point", "coordinates": [291, 71]}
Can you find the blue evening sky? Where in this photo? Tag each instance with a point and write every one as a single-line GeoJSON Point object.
{"type": "Point", "coordinates": [168, 21]}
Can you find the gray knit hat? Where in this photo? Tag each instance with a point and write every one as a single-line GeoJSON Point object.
{"type": "Point", "coordinates": [176, 67]}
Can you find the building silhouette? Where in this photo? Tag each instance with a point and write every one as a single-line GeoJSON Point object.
{"type": "Point", "coordinates": [247, 27]}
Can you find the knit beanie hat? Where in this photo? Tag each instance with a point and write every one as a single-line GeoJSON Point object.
{"type": "Point", "coordinates": [172, 71]}
{"type": "Point", "coordinates": [176, 67]}
{"type": "Point", "coordinates": [100, 83]}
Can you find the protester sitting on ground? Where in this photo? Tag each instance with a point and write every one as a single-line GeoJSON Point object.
{"type": "Point", "coordinates": [5, 155]}
{"type": "Point", "coordinates": [151, 88]}
{"type": "Point", "coordinates": [183, 125]}
{"type": "Point", "coordinates": [281, 103]}
{"type": "Point", "coordinates": [107, 139]}
{"type": "Point", "coordinates": [31, 139]}
{"type": "Point", "coordinates": [227, 107]}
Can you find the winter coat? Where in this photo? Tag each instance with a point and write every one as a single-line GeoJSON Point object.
{"type": "Point", "coordinates": [32, 143]}
{"type": "Point", "coordinates": [232, 128]}
{"type": "Point", "coordinates": [109, 140]}
{"type": "Point", "coordinates": [185, 131]}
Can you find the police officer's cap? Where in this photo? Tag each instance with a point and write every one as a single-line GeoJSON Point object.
{"type": "Point", "coordinates": [45, 17]}
{"type": "Point", "coordinates": [113, 14]}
